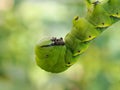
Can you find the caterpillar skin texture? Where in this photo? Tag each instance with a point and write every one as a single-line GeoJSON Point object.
{"type": "Point", "coordinates": [55, 55]}
{"type": "Point", "coordinates": [49, 58]}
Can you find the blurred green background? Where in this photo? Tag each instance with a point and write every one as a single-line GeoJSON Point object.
{"type": "Point", "coordinates": [24, 22]}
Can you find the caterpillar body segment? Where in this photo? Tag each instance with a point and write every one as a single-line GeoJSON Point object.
{"type": "Point", "coordinates": [113, 9]}
{"type": "Point", "coordinates": [99, 17]}
{"type": "Point", "coordinates": [83, 30]}
{"type": "Point", "coordinates": [61, 64]}
{"type": "Point", "coordinates": [76, 46]}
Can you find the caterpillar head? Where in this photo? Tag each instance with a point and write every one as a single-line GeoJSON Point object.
{"type": "Point", "coordinates": [50, 55]}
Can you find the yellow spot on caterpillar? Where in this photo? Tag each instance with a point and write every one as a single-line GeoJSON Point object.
{"type": "Point", "coordinates": [90, 38]}
{"type": "Point", "coordinates": [116, 15]}
{"type": "Point", "coordinates": [103, 25]}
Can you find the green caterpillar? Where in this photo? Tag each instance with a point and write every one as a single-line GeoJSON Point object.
{"type": "Point", "coordinates": [56, 55]}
